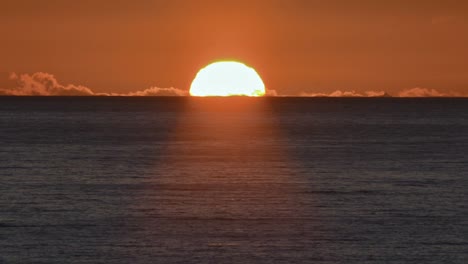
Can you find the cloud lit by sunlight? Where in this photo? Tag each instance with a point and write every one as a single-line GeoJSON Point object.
{"type": "Point", "coordinates": [340, 93]}
{"type": "Point", "coordinates": [425, 92]}
{"type": "Point", "coordinates": [41, 83]}
{"type": "Point", "coordinates": [45, 84]}
{"type": "Point", "coordinates": [269, 92]}
{"type": "Point", "coordinates": [413, 92]}
{"type": "Point", "coordinates": [156, 91]}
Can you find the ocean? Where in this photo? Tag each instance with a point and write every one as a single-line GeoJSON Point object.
{"type": "Point", "coordinates": [233, 180]}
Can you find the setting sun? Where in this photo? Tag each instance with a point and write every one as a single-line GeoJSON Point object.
{"type": "Point", "coordinates": [227, 78]}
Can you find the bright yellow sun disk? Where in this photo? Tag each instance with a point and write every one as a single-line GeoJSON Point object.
{"type": "Point", "coordinates": [227, 78]}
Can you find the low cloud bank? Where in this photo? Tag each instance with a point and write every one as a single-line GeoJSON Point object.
{"type": "Point", "coordinates": [45, 84]}
{"type": "Point", "coordinates": [413, 92]}
{"type": "Point", "coordinates": [339, 93]}
{"type": "Point", "coordinates": [41, 83]}
{"type": "Point", "coordinates": [156, 91]}
{"type": "Point", "coordinates": [424, 92]}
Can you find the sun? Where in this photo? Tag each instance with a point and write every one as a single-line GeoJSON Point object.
{"type": "Point", "coordinates": [227, 78]}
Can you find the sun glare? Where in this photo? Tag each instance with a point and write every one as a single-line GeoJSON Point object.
{"type": "Point", "coordinates": [227, 78]}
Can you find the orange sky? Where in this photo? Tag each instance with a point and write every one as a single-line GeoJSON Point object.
{"type": "Point", "coordinates": [296, 45]}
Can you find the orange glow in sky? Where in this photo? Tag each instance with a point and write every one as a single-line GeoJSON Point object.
{"type": "Point", "coordinates": [298, 47]}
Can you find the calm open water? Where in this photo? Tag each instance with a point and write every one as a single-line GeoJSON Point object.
{"type": "Point", "coordinates": [233, 180]}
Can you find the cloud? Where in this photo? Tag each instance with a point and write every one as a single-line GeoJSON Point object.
{"type": "Point", "coordinates": [271, 93]}
{"type": "Point", "coordinates": [413, 92]}
{"type": "Point", "coordinates": [46, 84]}
{"type": "Point", "coordinates": [156, 91]}
{"type": "Point", "coordinates": [340, 93]}
{"type": "Point", "coordinates": [425, 92]}
{"type": "Point", "coordinates": [41, 83]}
{"type": "Point", "coordinates": [377, 94]}
{"type": "Point", "coordinates": [422, 92]}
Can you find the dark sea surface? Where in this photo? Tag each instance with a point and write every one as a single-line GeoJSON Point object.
{"type": "Point", "coordinates": [233, 180]}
